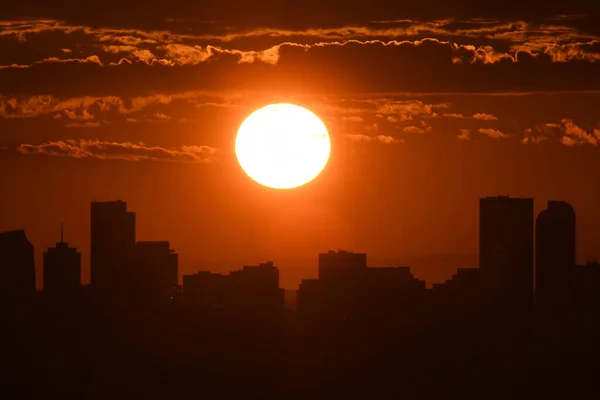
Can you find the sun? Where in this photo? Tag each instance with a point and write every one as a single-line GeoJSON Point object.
{"type": "Point", "coordinates": [282, 146]}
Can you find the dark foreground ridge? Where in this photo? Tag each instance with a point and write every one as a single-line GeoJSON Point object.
{"type": "Point", "coordinates": [357, 332]}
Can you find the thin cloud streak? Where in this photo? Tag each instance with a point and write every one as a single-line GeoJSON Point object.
{"type": "Point", "coordinates": [127, 151]}
{"type": "Point", "coordinates": [413, 129]}
{"type": "Point", "coordinates": [493, 133]}
{"type": "Point", "coordinates": [87, 108]}
{"type": "Point", "coordinates": [515, 30]}
{"type": "Point", "coordinates": [485, 117]}
{"type": "Point", "coordinates": [55, 60]}
{"type": "Point", "coordinates": [361, 138]}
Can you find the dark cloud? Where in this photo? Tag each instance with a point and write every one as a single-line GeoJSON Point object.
{"type": "Point", "coordinates": [443, 54]}
{"type": "Point", "coordinates": [320, 70]}
{"type": "Point", "coordinates": [189, 14]}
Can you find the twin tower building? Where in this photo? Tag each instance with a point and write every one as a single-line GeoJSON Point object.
{"type": "Point", "coordinates": [507, 240]}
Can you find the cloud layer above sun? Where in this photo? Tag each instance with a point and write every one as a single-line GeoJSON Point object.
{"type": "Point", "coordinates": [377, 81]}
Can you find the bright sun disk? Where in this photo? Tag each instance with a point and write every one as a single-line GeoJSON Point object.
{"type": "Point", "coordinates": [282, 146]}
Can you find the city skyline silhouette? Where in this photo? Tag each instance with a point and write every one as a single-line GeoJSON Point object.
{"type": "Point", "coordinates": [130, 229]}
{"type": "Point", "coordinates": [217, 265]}
{"type": "Point", "coordinates": [135, 309]}
{"type": "Point", "coordinates": [303, 199]}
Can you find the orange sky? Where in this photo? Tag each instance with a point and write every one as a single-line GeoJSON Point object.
{"type": "Point", "coordinates": [426, 113]}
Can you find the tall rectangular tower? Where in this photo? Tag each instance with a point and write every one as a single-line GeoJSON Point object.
{"type": "Point", "coordinates": [112, 246]}
{"type": "Point", "coordinates": [506, 247]}
{"type": "Point", "coordinates": [555, 259]}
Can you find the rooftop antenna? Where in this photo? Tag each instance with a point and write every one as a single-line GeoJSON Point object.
{"type": "Point", "coordinates": [61, 233]}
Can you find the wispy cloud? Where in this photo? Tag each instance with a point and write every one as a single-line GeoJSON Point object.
{"type": "Point", "coordinates": [88, 108]}
{"type": "Point", "coordinates": [75, 108]}
{"type": "Point", "coordinates": [168, 49]}
{"type": "Point", "coordinates": [493, 133]}
{"type": "Point", "coordinates": [464, 134]}
{"type": "Point", "coordinates": [93, 59]}
{"type": "Point", "coordinates": [533, 139]}
{"type": "Point", "coordinates": [485, 117]}
{"type": "Point", "coordinates": [373, 139]}
{"type": "Point", "coordinates": [161, 117]}
{"type": "Point", "coordinates": [566, 132]}
{"type": "Point", "coordinates": [574, 135]}
{"type": "Point", "coordinates": [126, 151]}
{"type": "Point", "coordinates": [353, 118]}
{"type": "Point", "coordinates": [393, 110]}
{"type": "Point", "coordinates": [87, 124]}
{"type": "Point", "coordinates": [413, 129]}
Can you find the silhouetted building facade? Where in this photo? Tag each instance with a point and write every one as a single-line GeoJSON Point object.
{"type": "Point", "coordinates": [256, 287]}
{"type": "Point", "coordinates": [349, 292]}
{"type": "Point", "coordinates": [17, 266]}
{"type": "Point", "coordinates": [112, 248]}
{"type": "Point", "coordinates": [506, 251]}
{"type": "Point", "coordinates": [62, 270]}
{"type": "Point", "coordinates": [460, 298]}
{"type": "Point", "coordinates": [341, 265]}
{"type": "Point", "coordinates": [584, 289]}
{"type": "Point", "coordinates": [253, 290]}
{"type": "Point", "coordinates": [156, 271]}
{"type": "Point", "coordinates": [555, 255]}
{"type": "Point", "coordinates": [203, 291]}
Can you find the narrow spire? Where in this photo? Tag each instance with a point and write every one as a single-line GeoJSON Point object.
{"type": "Point", "coordinates": [61, 233]}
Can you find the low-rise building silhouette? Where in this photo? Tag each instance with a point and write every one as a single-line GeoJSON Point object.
{"type": "Point", "coordinates": [349, 290]}
{"type": "Point", "coordinates": [584, 288]}
{"type": "Point", "coordinates": [251, 290]}
{"type": "Point", "coordinates": [256, 287]}
{"type": "Point", "coordinates": [203, 290]}
{"type": "Point", "coordinates": [341, 265]}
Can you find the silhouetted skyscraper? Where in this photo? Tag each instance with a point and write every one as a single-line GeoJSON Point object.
{"type": "Point", "coordinates": [112, 247]}
{"type": "Point", "coordinates": [506, 248]}
{"type": "Point", "coordinates": [555, 254]}
{"type": "Point", "coordinates": [156, 270]}
{"type": "Point", "coordinates": [17, 268]}
{"type": "Point", "coordinates": [62, 269]}
{"type": "Point", "coordinates": [341, 265]}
